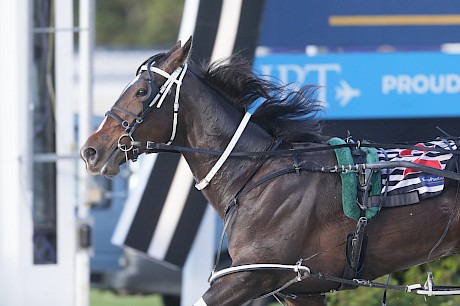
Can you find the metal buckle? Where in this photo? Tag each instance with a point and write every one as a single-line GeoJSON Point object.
{"type": "Point", "coordinates": [135, 155]}
{"type": "Point", "coordinates": [150, 145]}
{"type": "Point", "coordinates": [362, 282]}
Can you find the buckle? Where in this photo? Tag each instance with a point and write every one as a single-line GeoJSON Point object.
{"type": "Point", "coordinates": [125, 125]}
{"type": "Point", "coordinates": [150, 145]}
{"type": "Point", "coordinates": [135, 155]}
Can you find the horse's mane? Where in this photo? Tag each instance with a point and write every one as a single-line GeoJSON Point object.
{"type": "Point", "coordinates": [285, 113]}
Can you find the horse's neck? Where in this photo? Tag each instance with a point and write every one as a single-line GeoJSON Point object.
{"type": "Point", "coordinates": [210, 124]}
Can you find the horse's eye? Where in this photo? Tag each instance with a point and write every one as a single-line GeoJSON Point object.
{"type": "Point", "coordinates": [141, 93]}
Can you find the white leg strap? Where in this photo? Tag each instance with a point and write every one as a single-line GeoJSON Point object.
{"type": "Point", "coordinates": [200, 303]}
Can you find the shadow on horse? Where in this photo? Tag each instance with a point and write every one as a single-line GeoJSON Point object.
{"type": "Point", "coordinates": [278, 208]}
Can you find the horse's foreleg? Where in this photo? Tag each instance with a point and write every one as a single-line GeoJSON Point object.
{"type": "Point", "coordinates": [319, 300]}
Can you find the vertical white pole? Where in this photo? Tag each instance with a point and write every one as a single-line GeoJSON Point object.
{"type": "Point", "coordinates": [199, 262]}
{"type": "Point", "coordinates": [67, 267]}
{"type": "Point", "coordinates": [15, 191]}
{"type": "Point", "coordinates": [86, 46]}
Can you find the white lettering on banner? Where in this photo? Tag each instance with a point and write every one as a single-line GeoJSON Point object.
{"type": "Point", "coordinates": [421, 84]}
{"type": "Point", "coordinates": [296, 73]}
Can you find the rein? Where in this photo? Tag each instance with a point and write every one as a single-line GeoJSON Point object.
{"type": "Point", "coordinates": [152, 147]}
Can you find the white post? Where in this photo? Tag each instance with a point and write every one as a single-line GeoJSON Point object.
{"type": "Point", "coordinates": [86, 46]}
{"type": "Point", "coordinates": [22, 282]}
{"type": "Point", "coordinates": [16, 258]}
{"type": "Point", "coordinates": [65, 275]}
{"type": "Point", "coordinates": [199, 262]}
{"type": "Point", "coordinates": [85, 127]}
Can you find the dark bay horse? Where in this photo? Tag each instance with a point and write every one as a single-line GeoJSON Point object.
{"type": "Point", "coordinates": [280, 220]}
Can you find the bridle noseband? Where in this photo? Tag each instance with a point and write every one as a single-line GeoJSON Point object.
{"type": "Point", "coordinates": [154, 99]}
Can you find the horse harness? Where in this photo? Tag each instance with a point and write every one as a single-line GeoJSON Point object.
{"type": "Point", "coordinates": [355, 243]}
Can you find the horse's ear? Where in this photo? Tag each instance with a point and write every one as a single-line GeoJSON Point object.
{"type": "Point", "coordinates": [176, 46]}
{"type": "Point", "coordinates": [176, 56]}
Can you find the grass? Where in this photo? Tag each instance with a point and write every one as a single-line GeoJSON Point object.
{"type": "Point", "coordinates": [108, 298]}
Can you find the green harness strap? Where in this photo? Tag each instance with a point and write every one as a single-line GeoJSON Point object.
{"type": "Point", "coordinates": [350, 181]}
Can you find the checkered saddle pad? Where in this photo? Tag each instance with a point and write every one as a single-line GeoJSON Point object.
{"type": "Point", "coordinates": [405, 180]}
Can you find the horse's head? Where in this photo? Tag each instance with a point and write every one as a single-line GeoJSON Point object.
{"type": "Point", "coordinates": [144, 111]}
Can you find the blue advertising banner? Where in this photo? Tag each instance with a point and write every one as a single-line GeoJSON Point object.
{"type": "Point", "coordinates": [297, 23]}
{"type": "Point", "coordinates": [374, 85]}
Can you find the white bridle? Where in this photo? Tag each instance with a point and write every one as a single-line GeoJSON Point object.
{"type": "Point", "coordinates": [175, 78]}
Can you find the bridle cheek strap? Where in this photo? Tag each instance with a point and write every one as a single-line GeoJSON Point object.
{"type": "Point", "coordinates": [176, 77]}
{"type": "Point", "coordinates": [176, 104]}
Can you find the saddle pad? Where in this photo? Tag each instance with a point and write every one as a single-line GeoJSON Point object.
{"type": "Point", "coordinates": [404, 180]}
{"type": "Point", "coordinates": [394, 181]}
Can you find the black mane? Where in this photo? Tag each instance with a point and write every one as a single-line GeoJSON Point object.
{"type": "Point", "coordinates": [285, 113]}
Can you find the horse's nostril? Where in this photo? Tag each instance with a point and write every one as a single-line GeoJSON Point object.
{"type": "Point", "coordinates": [89, 154]}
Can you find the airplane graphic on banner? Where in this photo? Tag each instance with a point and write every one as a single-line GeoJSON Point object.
{"type": "Point", "coordinates": [373, 85]}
